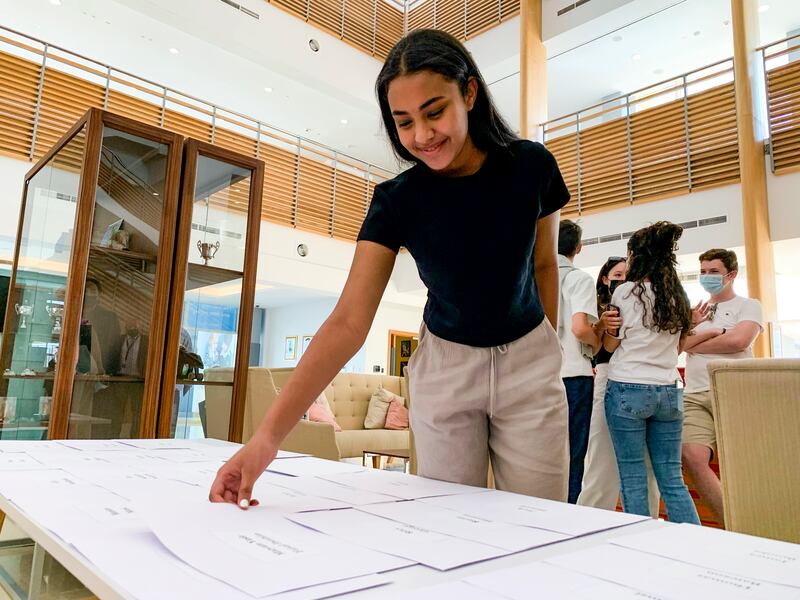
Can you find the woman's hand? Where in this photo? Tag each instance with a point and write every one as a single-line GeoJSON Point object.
{"type": "Point", "coordinates": [610, 321]}
{"type": "Point", "coordinates": [235, 479]}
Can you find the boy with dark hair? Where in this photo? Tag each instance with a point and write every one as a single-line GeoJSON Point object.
{"type": "Point", "coordinates": [580, 333]}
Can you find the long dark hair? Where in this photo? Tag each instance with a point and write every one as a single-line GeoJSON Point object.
{"type": "Point", "coordinates": [603, 293]}
{"type": "Point", "coordinates": [440, 52]}
{"type": "Point", "coordinates": [652, 257]}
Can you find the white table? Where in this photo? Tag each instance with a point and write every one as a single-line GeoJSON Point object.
{"type": "Point", "coordinates": [403, 580]}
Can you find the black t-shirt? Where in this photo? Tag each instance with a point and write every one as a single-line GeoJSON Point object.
{"type": "Point", "coordinates": [472, 238]}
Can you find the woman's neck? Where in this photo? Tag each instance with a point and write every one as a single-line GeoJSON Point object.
{"type": "Point", "coordinates": [468, 161]}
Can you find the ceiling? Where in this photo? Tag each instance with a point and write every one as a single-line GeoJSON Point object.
{"type": "Point", "coordinates": [229, 58]}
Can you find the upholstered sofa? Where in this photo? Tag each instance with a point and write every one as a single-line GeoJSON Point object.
{"type": "Point", "coordinates": [348, 395]}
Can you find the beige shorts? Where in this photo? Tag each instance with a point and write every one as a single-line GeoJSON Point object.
{"type": "Point", "coordinates": [698, 420]}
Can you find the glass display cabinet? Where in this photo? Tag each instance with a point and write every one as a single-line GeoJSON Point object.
{"type": "Point", "coordinates": [211, 309]}
{"type": "Point", "coordinates": [103, 277]}
{"type": "Point", "coordinates": [84, 337]}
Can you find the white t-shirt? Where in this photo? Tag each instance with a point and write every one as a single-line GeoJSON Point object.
{"type": "Point", "coordinates": [727, 314]}
{"type": "Point", "coordinates": [578, 295]}
{"type": "Point", "coordinates": [644, 355]}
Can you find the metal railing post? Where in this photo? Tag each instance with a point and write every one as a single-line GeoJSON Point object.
{"type": "Point", "coordinates": [769, 118]}
{"type": "Point", "coordinates": [686, 132]}
{"type": "Point", "coordinates": [108, 85]}
{"type": "Point", "coordinates": [578, 154]}
{"type": "Point", "coordinates": [333, 200]}
{"type": "Point", "coordinates": [213, 123]}
{"type": "Point", "coordinates": [296, 184]}
{"type": "Point", "coordinates": [163, 106]}
{"type": "Point", "coordinates": [38, 106]}
{"type": "Point", "coordinates": [258, 139]}
{"type": "Point", "coordinates": [629, 148]}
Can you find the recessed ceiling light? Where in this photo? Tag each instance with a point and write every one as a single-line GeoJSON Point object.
{"type": "Point", "coordinates": [267, 89]}
{"type": "Point", "coordinates": [313, 44]}
{"type": "Point", "coordinates": [658, 72]}
{"type": "Point", "coordinates": [343, 121]}
{"type": "Point", "coordinates": [55, 2]}
{"type": "Point", "coordinates": [726, 22]}
{"type": "Point", "coordinates": [696, 33]}
{"type": "Point", "coordinates": [173, 51]}
{"type": "Point", "coordinates": [636, 57]}
{"type": "Point", "coordinates": [763, 8]}
{"type": "Point", "coordinates": [617, 38]}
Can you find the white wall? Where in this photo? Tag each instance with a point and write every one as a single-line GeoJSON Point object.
{"type": "Point", "coordinates": [305, 319]}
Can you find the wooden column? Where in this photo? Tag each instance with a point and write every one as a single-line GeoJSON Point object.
{"type": "Point", "coordinates": [755, 211]}
{"type": "Point", "coordinates": [532, 71]}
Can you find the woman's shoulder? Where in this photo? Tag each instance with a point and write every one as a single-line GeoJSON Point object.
{"type": "Point", "coordinates": [400, 183]}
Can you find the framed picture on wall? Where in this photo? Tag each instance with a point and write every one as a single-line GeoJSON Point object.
{"type": "Point", "coordinates": [290, 348]}
{"type": "Point", "coordinates": [304, 345]}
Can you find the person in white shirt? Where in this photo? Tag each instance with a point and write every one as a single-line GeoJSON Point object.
{"type": "Point", "coordinates": [579, 331]}
{"type": "Point", "coordinates": [728, 326]}
{"type": "Point", "coordinates": [644, 406]}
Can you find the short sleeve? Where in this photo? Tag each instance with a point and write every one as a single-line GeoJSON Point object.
{"type": "Point", "coordinates": [381, 224]}
{"type": "Point", "coordinates": [554, 194]}
{"type": "Point", "coordinates": [752, 311]}
{"type": "Point", "coordinates": [581, 293]}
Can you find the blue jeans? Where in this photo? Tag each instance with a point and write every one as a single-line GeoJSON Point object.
{"type": "Point", "coordinates": [580, 399]}
{"type": "Point", "coordinates": [649, 416]}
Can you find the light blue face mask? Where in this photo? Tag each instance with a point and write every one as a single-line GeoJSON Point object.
{"type": "Point", "coordinates": [713, 283]}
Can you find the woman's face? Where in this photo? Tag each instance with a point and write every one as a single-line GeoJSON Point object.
{"type": "Point", "coordinates": [617, 273]}
{"type": "Point", "coordinates": [431, 118]}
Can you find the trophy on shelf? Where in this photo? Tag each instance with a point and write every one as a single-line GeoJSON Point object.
{"type": "Point", "coordinates": [23, 310]}
{"type": "Point", "coordinates": [207, 250]}
{"type": "Point", "coordinates": [56, 311]}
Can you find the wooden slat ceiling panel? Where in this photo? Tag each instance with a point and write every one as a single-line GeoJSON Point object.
{"type": "Point", "coordinates": [421, 16]}
{"type": "Point", "coordinates": [327, 14]}
{"type": "Point", "coordinates": [64, 100]}
{"type": "Point", "coordinates": [480, 15]}
{"type": "Point", "coordinates": [358, 23]}
{"type": "Point", "coordinates": [783, 91]}
{"type": "Point", "coordinates": [509, 9]}
{"type": "Point", "coordinates": [349, 211]}
{"type": "Point", "coordinates": [295, 7]}
{"type": "Point", "coordinates": [314, 196]}
{"type": "Point", "coordinates": [279, 184]}
{"type": "Point", "coordinates": [389, 28]}
{"type": "Point", "coordinates": [134, 108]}
{"type": "Point", "coordinates": [19, 85]}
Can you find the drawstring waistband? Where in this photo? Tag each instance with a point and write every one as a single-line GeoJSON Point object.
{"type": "Point", "coordinates": [502, 349]}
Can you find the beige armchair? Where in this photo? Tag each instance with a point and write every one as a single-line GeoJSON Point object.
{"type": "Point", "coordinates": [348, 395]}
{"type": "Point", "coordinates": [757, 415]}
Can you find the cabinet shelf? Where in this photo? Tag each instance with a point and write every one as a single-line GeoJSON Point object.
{"type": "Point", "coordinates": [82, 377]}
{"type": "Point", "coordinates": [199, 276]}
{"type": "Point", "coordinates": [209, 383]}
{"type": "Point", "coordinates": [129, 258]}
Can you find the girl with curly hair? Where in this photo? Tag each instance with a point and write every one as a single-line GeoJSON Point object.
{"type": "Point", "coordinates": [644, 406]}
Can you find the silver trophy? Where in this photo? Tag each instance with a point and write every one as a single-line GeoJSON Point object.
{"type": "Point", "coordinates": [56, 311]}
{"type": "Point", "coordinates": [207, 251]}
{"type": "Point", "coordinates": [23, 310]}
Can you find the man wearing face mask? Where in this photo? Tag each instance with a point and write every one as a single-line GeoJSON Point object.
{"type": "Point", "coordinates": [731, 325]}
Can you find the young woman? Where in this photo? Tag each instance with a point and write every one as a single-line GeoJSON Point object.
{"type": "Point", "coordinates": [478, 211]}
{"type": "Point", "coordinates": [644, 407]}
{"type": "Point", "coordinates": [600, 487]}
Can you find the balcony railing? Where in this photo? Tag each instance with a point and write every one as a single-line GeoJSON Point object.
{"type": "Point", "coordinates": [676, 137]}
{"type": "Point", "coordinates": [44, 89]}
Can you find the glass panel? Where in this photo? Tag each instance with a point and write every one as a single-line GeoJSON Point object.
{"type": "Point", "coordinates": [33, 335]}
{"type": "Point", "coordinates": [209, 325]}
{"type": "Point", "coordinates": [118, 298]}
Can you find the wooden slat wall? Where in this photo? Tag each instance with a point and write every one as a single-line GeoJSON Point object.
{"type": "Point", "coordinates": [462, 18]}
{"type": "Point", "coordinates": [301, 198]}
{"type": "Point", "coordinates": [19, 83]}
{"type": "Point", "coordinates": [314, 197]}
{"type": "Point", "coordinates": [388, 28]}
{"type": "Point", "coordinates": [672, 149]}
{"type": "Point", "coordinates": [783, 92]}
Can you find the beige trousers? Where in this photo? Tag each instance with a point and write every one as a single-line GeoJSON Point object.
{"type": "Point", "coordinates": [600, 487]}
{"type": "Point", "coordinates": [505, 403]}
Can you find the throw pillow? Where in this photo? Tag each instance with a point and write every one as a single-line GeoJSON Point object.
{"type": "Point", "coordinates": [397, 416]}
{"type": "Point", "coordinates": [322, 414]}
{"type": "Point", "coordinates": [378, 407]}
